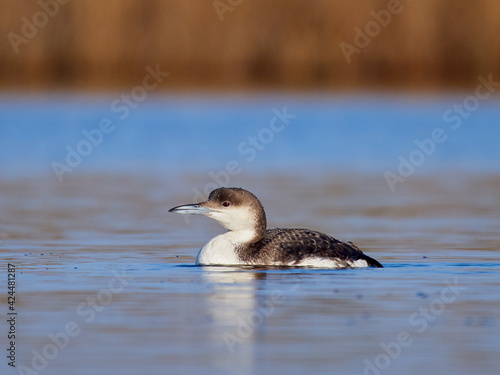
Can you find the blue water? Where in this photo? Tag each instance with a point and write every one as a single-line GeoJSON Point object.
{"type": "Point", "coordinates": [366, 133]}
{"type": "Point", "coordinates": [96, 248]}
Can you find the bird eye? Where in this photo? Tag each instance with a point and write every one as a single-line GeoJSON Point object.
{"type": "Point", "coordinates": [226, 203]}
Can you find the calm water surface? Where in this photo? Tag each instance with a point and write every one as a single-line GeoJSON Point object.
{"type": "Point", "coordinates": [102, 252]}
{"type": "Point", "coordinates": [106, 282]}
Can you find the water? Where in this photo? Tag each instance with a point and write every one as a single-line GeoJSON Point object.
{"type": "Point", "coordinates": [105, 277]}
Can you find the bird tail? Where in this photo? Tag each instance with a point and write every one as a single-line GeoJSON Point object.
{"type": "Point", "coordinates": [372, 262]}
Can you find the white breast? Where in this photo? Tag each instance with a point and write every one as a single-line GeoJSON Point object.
{"type": "Point", "coordinates": [220, 250]}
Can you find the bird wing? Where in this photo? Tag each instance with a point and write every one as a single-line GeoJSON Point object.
{"type": "Point", "coordinates": [298, 244]}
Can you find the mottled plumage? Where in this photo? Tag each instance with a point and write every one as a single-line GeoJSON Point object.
{"type": "Point", "coordinates": [291, 246]}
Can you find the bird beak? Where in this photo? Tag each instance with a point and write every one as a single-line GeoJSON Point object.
{"type": "Point", "coordinates": [192, 209]}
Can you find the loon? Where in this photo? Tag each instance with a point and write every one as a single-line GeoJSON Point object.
{"type": "Point", "coordinates": [249, 242]}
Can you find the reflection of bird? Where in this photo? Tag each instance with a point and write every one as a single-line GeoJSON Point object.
{"type": "Point", "coordinates": [248, 242]}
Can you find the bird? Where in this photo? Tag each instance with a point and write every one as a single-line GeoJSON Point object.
{"type": "Point", "coordinates": [249, 242]}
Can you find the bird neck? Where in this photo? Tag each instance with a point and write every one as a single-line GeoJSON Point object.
{"type": "Point", "coordinates": [260, 225]}
{"type": "Point", "coordinates": [248, 235]}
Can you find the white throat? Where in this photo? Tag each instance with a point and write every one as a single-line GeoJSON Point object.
{"type": "Point", "coordinates": [235, 219]}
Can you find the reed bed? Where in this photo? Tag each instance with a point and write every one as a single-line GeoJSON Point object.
{"type": "Point", "coordinates": [249, 43]}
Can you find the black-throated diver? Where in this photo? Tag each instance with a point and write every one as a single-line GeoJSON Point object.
{"type": "Point", "coordinates": [249, 242]}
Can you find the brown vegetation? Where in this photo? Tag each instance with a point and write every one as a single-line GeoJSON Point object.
{"type": "Point", "coordinates": [254, 43]}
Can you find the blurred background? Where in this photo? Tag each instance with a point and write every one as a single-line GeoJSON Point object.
{"type": "Point", "coordinates": [192, 80]}
{"type": "Point", "coordinates": [375, 121]}
{"type": "Point", "coordinates": [233, 44]}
